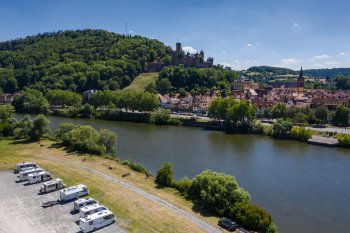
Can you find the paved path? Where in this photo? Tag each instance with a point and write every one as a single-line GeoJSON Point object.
{"type": "Point", "coordinates": [201, 223]}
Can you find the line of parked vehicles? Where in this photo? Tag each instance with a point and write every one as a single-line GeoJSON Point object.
{"type": "Point", "coordinates": [93, 215]}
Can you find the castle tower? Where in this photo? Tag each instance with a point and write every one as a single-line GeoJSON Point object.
{"type": "Point", "coordinates": [300, 81]}
{"type": "Point", "coordinates": [178, 47]}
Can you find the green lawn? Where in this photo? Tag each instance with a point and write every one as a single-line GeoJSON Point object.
{"type": "Point", "coordinates": [142, 81]}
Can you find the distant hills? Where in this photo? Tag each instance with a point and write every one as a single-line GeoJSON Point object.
{"type": "Point", "coordinates": [316, 73]}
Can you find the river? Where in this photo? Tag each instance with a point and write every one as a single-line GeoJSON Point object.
{"type": "Point", "coordinates": [306, 188]}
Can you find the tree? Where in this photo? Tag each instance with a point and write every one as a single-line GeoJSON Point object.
{"type": "Point", "coordinates": [108, 139]}
{"type": "Point", "coordinates": [321, 114]}
{"type": "Point", "coordinates": [11, 85]}
{"type": "Point", "coordinates": [341, 116]}
{"type": "Point", "coordinates": [5, 112]}
{"type": "Point", "coordinates": [61, 97]}
{"type": "Point", "coordinates": [31, 101]}
{"type": "Point", "coordinates": [268, 113]}
{"type": "Point", "coordinates": [165, 175]}
{"type": "Point", "coordinates": [87, 111]}
{"type": "Point", "coordinates": [39, 127]}
{"type": "Point", "coordinates": [282, 129]}
{"type": "Point", "coordinates": [217, 191]}
{"type": "Point", "coordinates": [279, 110]}
{"type": "Point", "coordinates": [240, 117]}
{"type": "Point", "coordinates": [23, 127]}
{"type": "Point", "coordinates": [148, 102]}
{"type": "Point", "coordinates": [164, 86]}
{"type": "Point", "coordinates": [160, 117]}
{"type": "Point", "coordinates": [65, 128]}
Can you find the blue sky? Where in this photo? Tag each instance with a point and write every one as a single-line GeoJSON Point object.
{"type": "Point", "coordinates": [238, 33]}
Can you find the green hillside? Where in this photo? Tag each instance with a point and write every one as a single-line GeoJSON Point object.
{"type": "Point", "coordinates": [142, 81]}
{"type": "Point", "coordinates": [75, 60]}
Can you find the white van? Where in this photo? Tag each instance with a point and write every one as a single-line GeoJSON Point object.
{"type": "Point", "coordinates": [39, 177]}
{"type": "Point", "coordinates": [24, 166]}
{"type": "Point", "coordinates": [96, 221]}
{"type": "Point", "coordinates": [52, 185]}
{"type": "Point", "coordinates": [91, 209]}
{"type": "Point", "coordinates": [82, 202]}
{"type": "Point", "coordinates": [23, 176]}
{"type": "Point", "coordinates": [73, 192]}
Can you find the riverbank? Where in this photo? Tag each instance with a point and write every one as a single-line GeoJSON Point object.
{"type": "Point", "coordinates": [134, 212]}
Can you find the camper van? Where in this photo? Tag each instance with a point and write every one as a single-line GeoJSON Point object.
{"type": "Point", "coordinates": [52, 185]}
{"type": "Point", "coordinates": [23, 175]}
{"type": "Point", "coordinates": [39, 177]}
{"type": "Point", "coordinates": [73, 192]}
{"type": "Point", "coordinates": [82, 202]}
{"type": "Point", "coordinates": [96, 221]}
{"type": "Point", "coordinates": [24, 166]}
{"type": "Point", "coordinates": [91, 209]}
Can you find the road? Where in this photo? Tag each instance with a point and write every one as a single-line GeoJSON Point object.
{"type": "Point", "coordinates": [199, 222]}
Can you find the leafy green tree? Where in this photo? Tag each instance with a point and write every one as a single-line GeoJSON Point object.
{"type": "Point", "coordinates": [65, 128]}
{"type": "Point", "coordinates": [39, 127]}
{"type": "Point", "coordinates": [282, 129]}
{"type": "Point", "coordinates": [341, 116]}
{"type": "Point", "coordinates": [251, 216]}
{"type": "Point", "coordinates": [241, 116]}
{"type": "Point", "coordinates": [11, 85]}
{"type": "Point", "coordinates": [160, 117]}
{"type": "Point", "coordinates": [23, 127]}
{"type": "Point", "coordinates": [5, 112]}
{"type": "Point", "coordinates": [61, 97]}
{"type": "Point", "coordinates": [217, 191]}
{"type": "Point", "coordinates": [268, 113]}
{"type": "Point", "coordinates": [7, 126]}
{"type": "Point", "coordinates": [108, 139]}
{"type": "Point", "coordinates": [87, 111]}
{"type": "Point", "coordinates": [31, 101]}
{"type": "Point", "coordinates": [165, 175]}
{"type": "Point", "coordinates": [321, 114]}
{"type": "Point", "coordinates": [163, 86]}
{"type": "Point", "coordinates": [148, 102]}
{"type": "Point", "coordinates": [279, 110]}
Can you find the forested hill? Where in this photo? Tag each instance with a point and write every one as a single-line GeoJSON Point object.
{"type": "Point", "coordinates": [332, 73]}
{"type": "Point", "coordinates": [76, 60]}
{"type": "Point", "coordinates": [269, 70]}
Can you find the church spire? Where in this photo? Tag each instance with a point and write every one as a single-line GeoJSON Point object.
{"type": "Point", "coordinates": [301, 73]}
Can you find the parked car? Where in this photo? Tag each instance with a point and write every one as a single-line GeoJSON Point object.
{"type": "Point", "coordinates": [228, 224]}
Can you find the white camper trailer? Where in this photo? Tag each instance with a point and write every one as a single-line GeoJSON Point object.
{"type": "Point", "coordinates": [91, 209]}
{"type": "Point", "coordinates": [23, 176]}
{"type": "Point", "coordinates": [73, 192]}
{"type": "Point", "coordinates": [25, 166]}
{"type": "Point", "coordinates": [39, 177]}
{"type": "Point", "coordinates": [96, 221]}
{"type": "Point", "coordinates": [82, 202]}
{"type": "Point", "coordinates": [52, 185]}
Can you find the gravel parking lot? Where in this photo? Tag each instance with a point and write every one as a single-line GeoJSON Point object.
{"type": "Point", "coordinates": [21, 211]}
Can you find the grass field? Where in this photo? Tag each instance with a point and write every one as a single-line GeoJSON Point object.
{"type": "Point", "coordinates": [142, 81]}
{"type": "Point", "coordinates": [134, 212]}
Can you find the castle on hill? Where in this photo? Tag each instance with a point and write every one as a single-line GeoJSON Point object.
{"type": "Point", "coordinates": [178, 57]}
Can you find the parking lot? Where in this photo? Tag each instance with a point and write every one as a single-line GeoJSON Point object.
{"type": "Point", "coordinates": [21, 211]}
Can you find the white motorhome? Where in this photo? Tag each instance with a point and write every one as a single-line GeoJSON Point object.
{"type": "Point", "coordinates": [25, 166]}
{"type": "Point", "coordinates": [23, 176]}
{"type": "Point", "coordinates": [52, 185]}
{"type": "Point", "coordinates": [96, 221]}
{"type": "Point", "coordinates": [73, 192]}
{"type": "Point", "coordinates": [91, 209]}
{"type": "Point", "coordinates": [82, 202]}
{"type": "Point", "coordinates": [39, 177]}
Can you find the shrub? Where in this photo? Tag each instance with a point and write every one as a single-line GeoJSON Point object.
{"type": "Point", "coordinates": [165, 175]}
{"type": "Point", "coordinates": [282, 129]}
{"type": "Point", "coordinates": [301, 134]}
{"type": "Point", "coordinates": [217, 191]}
{"type": "Point", "coordinates": [258, 128]}
{"type": "Point", "coordinates": [272, 228]}
{"type": "Point", "coordinates": [160, 117]}
{"type": "Point", "coordinates": [344, 140]}
{"type": "Point", "coordinates": [183, 185]}
{"type": "Point", "coordinates": [251, 216]}
{"type": "Point", "coordinates": [39, 127]}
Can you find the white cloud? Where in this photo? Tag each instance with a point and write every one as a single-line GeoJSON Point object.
{"type": "Point", "coordinates": [289, 62]}
{"type": "Point", "coordinates": [321, 56]}
{"type": "Point", "coordinates": [249, 45]}
{"type": "Point", "coordinates": [332, 63]}
{"type": "Point", "coordinates": [189, 49]}
{"type": "Point", "coordinates": [295, 24]}
{"type": "Point", "coordinates": [318, 65]}
{"type": "Point", "coordinates": [247, 61]}
{"type": "Point", "coordinates": [226, 64]}
{"type": "Point", "coordinates": [237, 61]}
{"type": "Point", "coordinates": [342, 53]}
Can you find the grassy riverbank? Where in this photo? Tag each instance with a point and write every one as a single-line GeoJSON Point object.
{"type": "Point", "coordinates": [134, 212]}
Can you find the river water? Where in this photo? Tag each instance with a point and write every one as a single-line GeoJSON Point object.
{"type": "Point", "coordinates": [306, 188]}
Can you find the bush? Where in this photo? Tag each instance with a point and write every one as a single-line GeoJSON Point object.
{"type": "Point", "coordinates": [258, 128]}
{"type": "Point", "coordinates": [344, 140]}
{"type": "Point", "coordinates": [282, 129]}
{"type": "Point", "coordinates": [183, 185]}
{"type": "Point", "coordinates": [301, 134]}
{"type": "Point", "coordinates": [251, 216]}
{"type": "Point", "coordinates": [165, 175]}
{"type": "Point", "coordinates": [160, 117]}
{"type": "Point", "coordinates": [272, 228]}
{"type": "Point", "coordinates": [137, 167]}
{"type": "Point", "coordinates": [217, 191]}
{"type": "Point", "coordinates": [39, 127]}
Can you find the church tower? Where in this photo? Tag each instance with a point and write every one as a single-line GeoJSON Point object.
{"type": "Point", "coordinates": [300, 82]}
